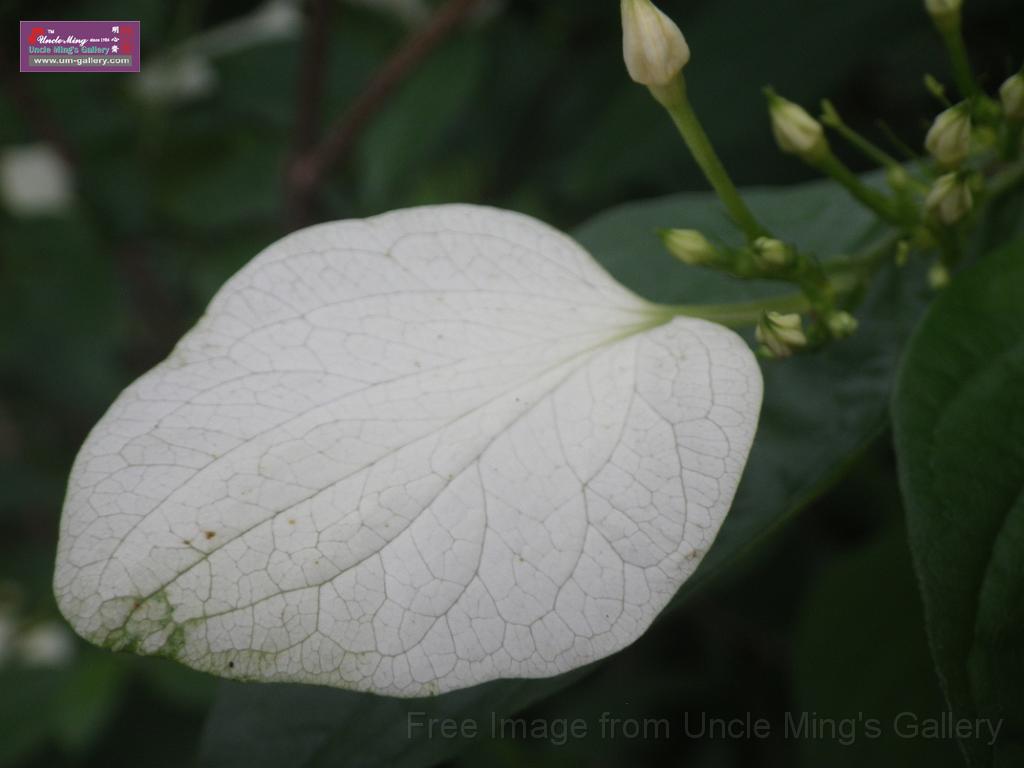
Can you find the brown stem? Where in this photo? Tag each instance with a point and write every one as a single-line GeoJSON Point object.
{"type": "Point", "coordinates": [307, 106]}
{"type": "Point", "coordinates": [308, 170]}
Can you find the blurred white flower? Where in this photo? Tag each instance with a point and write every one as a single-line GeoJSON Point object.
{"type": "Point", "coordinates": [186, 72]}
{"type": "Point", "coordinates": [47, 644]}
{"type": "Point", "coordinates": [175, 78]}
{"type": "Point", "coordinates": [34, 179]}
{"type": "Point", "coordinates": [274, 20]}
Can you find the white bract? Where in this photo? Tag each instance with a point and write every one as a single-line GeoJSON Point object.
{"type": "Point", "coordinates": [406, 455]}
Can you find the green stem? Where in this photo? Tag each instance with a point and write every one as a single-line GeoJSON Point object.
{"type": "Point", "coordinates": [844, 275]}
{"type": "Point", "coordinates": [873, 199]}
{"type": "Point", "coordinates": [674, 98]}
{"type": "Point", "coordinates": [846, 272]}
{"type": "Point", "coordinates": [951, 30]}
{"type": "Point", "coordinates": [746, 313]}
{"type": "Point", "coordinates": [831, 118]}
{"type": "Point", "coordinates": [740, 314]}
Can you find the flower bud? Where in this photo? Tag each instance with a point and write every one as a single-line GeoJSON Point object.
{"type": "Point", "coordinates": [1011, 93]}
{"type": "Point", "coordinates": [935, 87]}
{"type": "Point", "coordinates": [780, 334]}
{"type": "Point", "coordinates": [652, 45]}
{"type": "Point", "coordinates": [949, 138]}
{"type": "Point", "coordinates": [689, 246]}
{"type": "Point", "coordinates": [938, 277]}
{"type": "Point", "coordinates": [898, 178]}
{"type": "Point", "coordinates": [796, 132]}
{"type": "Point", "coordinates": [943, 9]}
{"type": "Point", "coordinates": [772, 254]}
{"type": "Point", "coordinates": [950, 199]}
{"type": "Point", "coordinates": [841, 324]}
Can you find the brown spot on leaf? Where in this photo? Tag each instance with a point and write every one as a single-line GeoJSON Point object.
{"type": "Point", "coordinates": [209, 534]}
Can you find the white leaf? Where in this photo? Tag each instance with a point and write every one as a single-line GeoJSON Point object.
{"type": "Point", "coordinates": [406, 455]}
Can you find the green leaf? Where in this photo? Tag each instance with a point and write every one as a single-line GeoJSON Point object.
{"type": "Point", "coordinates": [70, 705]}
{"type": "Point", "coordinates": [862, 628]}
{"type": "Point", "coordinates": [24, 729]}
{"type": "Point", "coordinates": [819, 412]}
{"type": "Point", "coordinates": [958, 416]}
{"type": "Point", "coordinates": [58, 293]}
{"type": "Point", "coordinates": [288, 726]}
{"type": "Point", "coordinates": [413, 126]}
{"type": "Point", "coordinates": [88, 700]}
{"type": "Point", "coordinates": [223, 181]}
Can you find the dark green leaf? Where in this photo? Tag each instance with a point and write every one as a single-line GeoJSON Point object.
{"type": "Point", "coordinates": [85, 706]}
{"type": "Point", "coordinates": [23, 727]}
{"type": "Point", "coordinates": [958, 414]}
{"type": "Point", "coordinates": [862, 629]}
{"type": "Point", "coordinates": [288, 726]}
{"type": "Point", "coordinates": [416, 121]}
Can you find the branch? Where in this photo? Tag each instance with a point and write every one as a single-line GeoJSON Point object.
{"type": "Point", "coordinates": [310, 100]}
{"type": "Point", "coordinates": [308, 169]}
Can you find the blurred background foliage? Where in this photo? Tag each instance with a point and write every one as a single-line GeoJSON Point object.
{"type": "Point", "coordinates": [178, 178]}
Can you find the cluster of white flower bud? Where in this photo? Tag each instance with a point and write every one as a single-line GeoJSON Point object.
{"type": "Point", "coordinates": [780, 335]}
{"type": "Point", "coordinates": [655, 52]}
